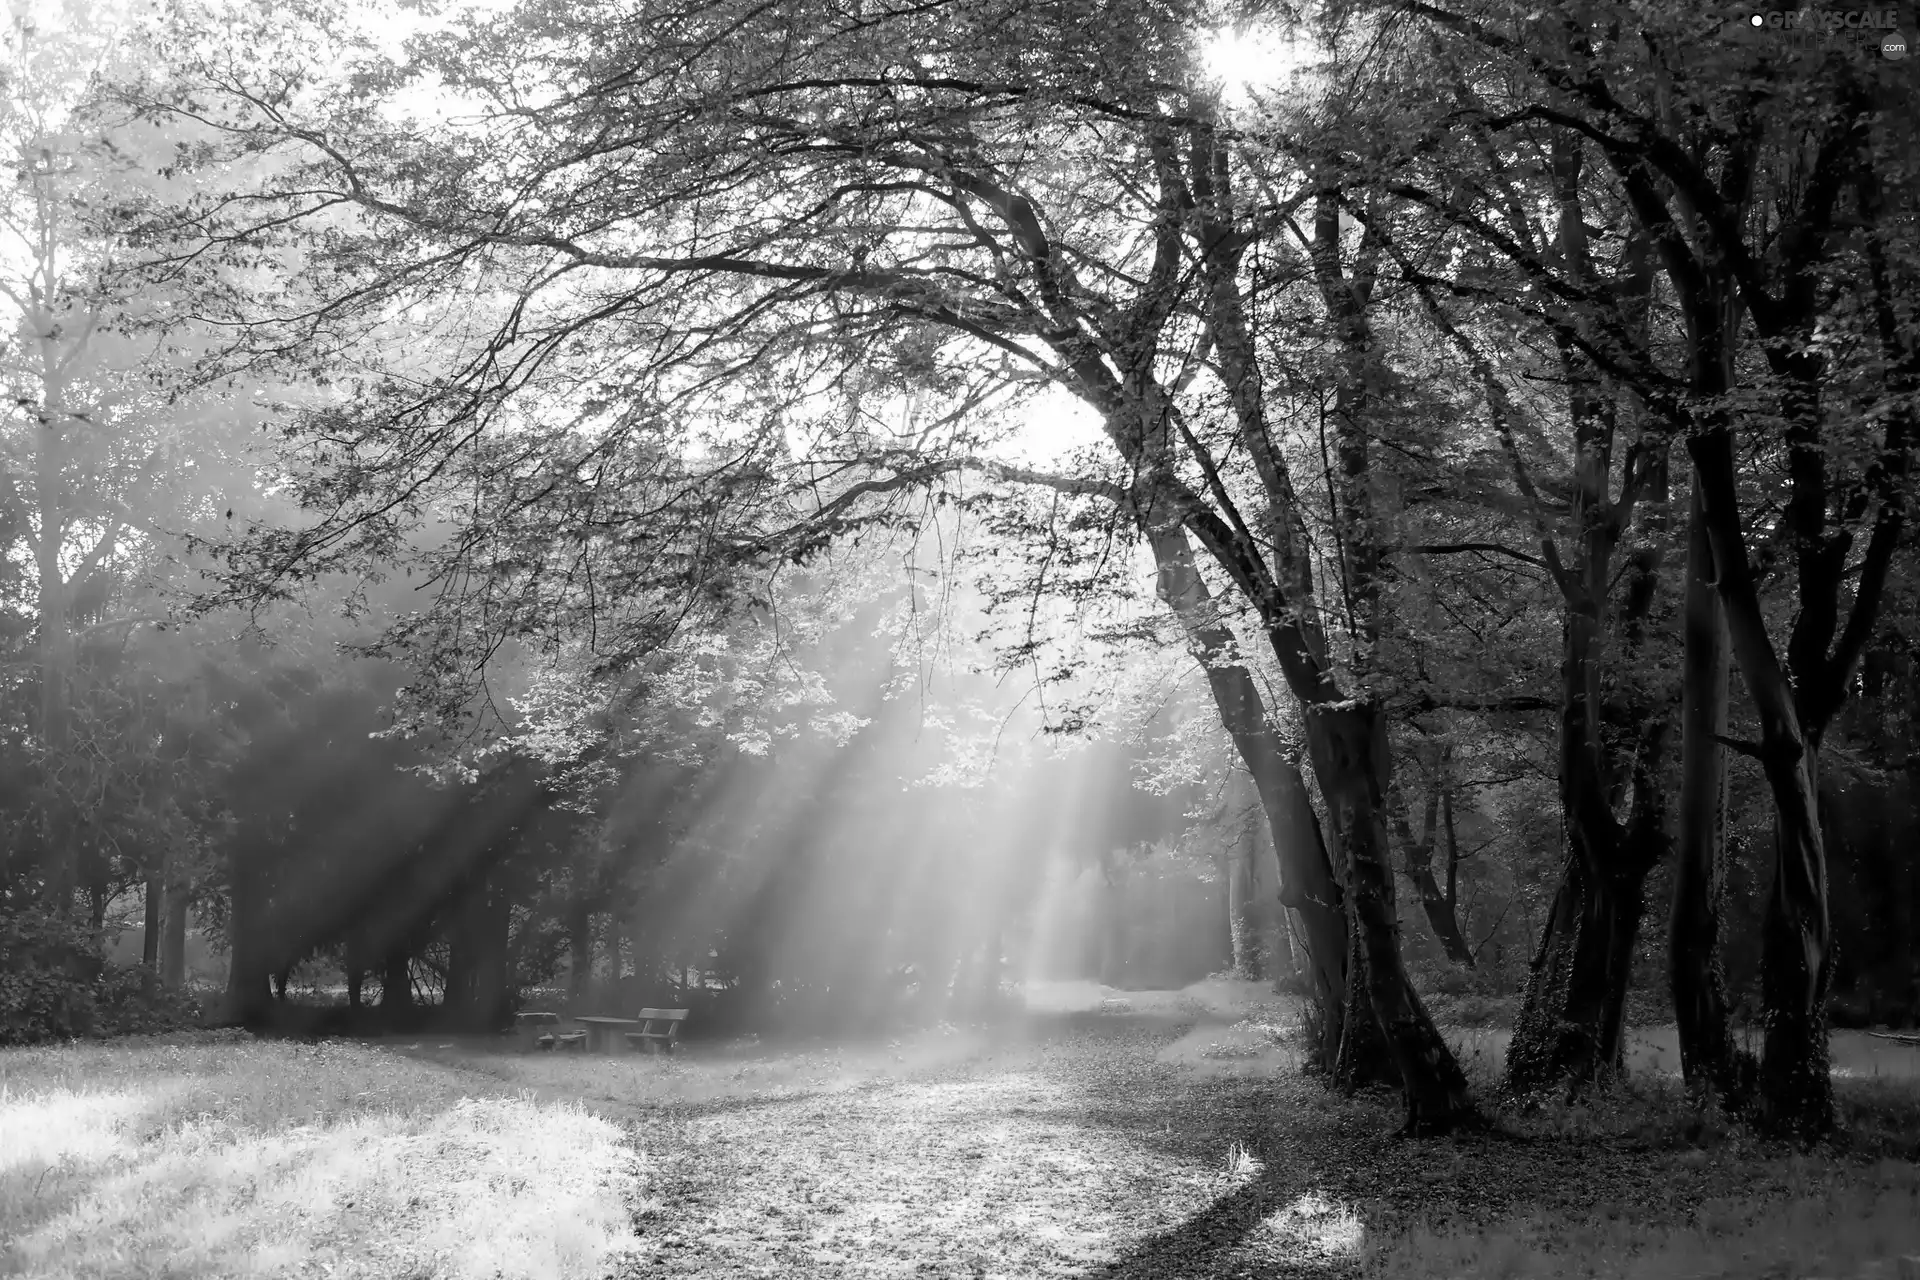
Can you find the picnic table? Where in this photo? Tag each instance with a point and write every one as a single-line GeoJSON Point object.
{"type": "Point", "coordinates": [602, 1033]}
{"type": "Point", "coordinates": [533, 1026]}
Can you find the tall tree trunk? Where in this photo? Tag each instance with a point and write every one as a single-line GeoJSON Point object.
{"type": "Point", "coordinates": [489, 938]}
{"type": "Point", "coordinates": [248, 994]}
{"type": "Point", "coordinates": [173, 952]}
{"type": "Point", "coordinates": [1795, 1082]}
{"type": "Point", "coordinates": [153, 915]}
{"type": "Point", "coordinates": [1349, 746]}
{"type": "Point", "coordinates": [54, 635]}
{"type": "Point", "coordinates": [1363, 1056]}
{"type": "Point", "coordinates": [1243, 935]}
{"type": "Point", "coordinates": [354, 960]}
{"type": "Point", "coordinates": [456, 995]}
{"type": "Point", "coordinates": [396, 984]}
{"type": "Point", "coordinates": [1114, 906]}
{"type": "Point", "coordinates": [1346, 730]}
{"type": "Point", "coordinates": [1307, 883]}
{"type": "Point", "coordinates": [1707, 1055]}
{"type": "Point", "coordinates": [1243, 912]}
{"type": "Point", "coordinates": [1417, 859]}
{"type": "Point", "coordinates": [1570, 1024]}
{"type": "Point", "coordinates": [633, 992]}
{"type": "Point", "coordinates": [579, 951]}
{"type": "Point", "coordinates": [1908, 874]}
{"type": "Point", "coordinates": [1568, 1029]}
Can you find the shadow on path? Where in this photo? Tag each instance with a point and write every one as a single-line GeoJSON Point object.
{"type": "Point", "coordinates": [1234, 1236]}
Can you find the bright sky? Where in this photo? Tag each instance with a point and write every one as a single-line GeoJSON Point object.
{"type": "Point", "coordinates": [1056, 423]}
{"type": "Point", "coordinates": [1255, 62]}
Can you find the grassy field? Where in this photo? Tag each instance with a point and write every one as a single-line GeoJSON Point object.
{"type": "Point", "coordinates": [1146, 1135]}
{"type": "Point", "coordinates": [229, 1157]}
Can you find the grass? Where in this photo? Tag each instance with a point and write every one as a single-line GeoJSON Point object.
{"type": "Point", "coordinates": [196, 1157]}
{"type": "Point", "coordinates": [1851, 1231]}
{"type": "Point", "coordinates": [1171, 1138]}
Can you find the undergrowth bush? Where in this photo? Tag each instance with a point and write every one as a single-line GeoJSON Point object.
{"type": "Point", "coordinates": [55, 985]}
{"type": "Point", "coordinates": [1472, 1010]}
{"type": "Point", "coordinates": [134, 1002]}
{"type": "Point", "coordinates": [49, 971]}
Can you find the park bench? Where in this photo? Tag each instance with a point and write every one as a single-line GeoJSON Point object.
{"type": "Point", "coordinates": [569, 1040]}
{"type": "Point", "coordinates": [659, 1030]}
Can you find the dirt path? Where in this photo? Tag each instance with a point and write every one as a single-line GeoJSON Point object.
{"type": "Point", "coordinates": [1045, 1158]}
{"type": "Point", "coordinates": [1148, 1142]}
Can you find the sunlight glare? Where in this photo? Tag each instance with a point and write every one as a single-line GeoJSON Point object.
{"type": "Point", "coordinates": [1055, 425]}
{"type": "Point", "coordinates": [1257, 60]}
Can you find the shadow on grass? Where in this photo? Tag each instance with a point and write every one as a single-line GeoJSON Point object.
{"type": "Point", "coordinates": [1235, 1236]}
{"type": "Point", "coordinates": [1336, 1181]}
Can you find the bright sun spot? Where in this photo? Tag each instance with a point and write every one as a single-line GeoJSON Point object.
{"type": "Point", "coordinates": [1254, 60]}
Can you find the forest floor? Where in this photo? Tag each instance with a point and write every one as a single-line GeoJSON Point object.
{"type": "Point", "coordinates": [1157, 1134]}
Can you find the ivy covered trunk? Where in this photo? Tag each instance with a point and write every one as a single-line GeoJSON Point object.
{"type": "Point", "coordinates": [1363, 1057]}
{"type": "Point", "coordinates": [1570, 1023]}
{"type": "Point", "coordinates": [1349, 746]}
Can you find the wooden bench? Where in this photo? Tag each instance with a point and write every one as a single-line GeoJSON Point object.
{"type": "Point", "coordinates": [569, 1040]}
{"type": "Point", "coordinates": [659, 1030]}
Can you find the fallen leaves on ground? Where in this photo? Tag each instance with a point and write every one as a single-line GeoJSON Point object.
{"type": "Point", "coordinates": [1095, 1147]}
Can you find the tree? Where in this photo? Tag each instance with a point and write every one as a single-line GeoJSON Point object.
{"type": "Point", "coordinates": [104, 465]}
{"type": "Point", "coordinates": [1814, 141]}
{"type": "Point", "coordinates": [1118, 276]}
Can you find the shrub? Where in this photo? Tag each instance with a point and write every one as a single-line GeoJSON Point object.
{"type": "Point", "coordinates": [54, 985]}
{"type": "Point", "coordinates": [134, 1002]}
{"type": "Point", "coordinates": [1472, 1011]}
{"type": "Point", "coordinates": [48, 971]}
